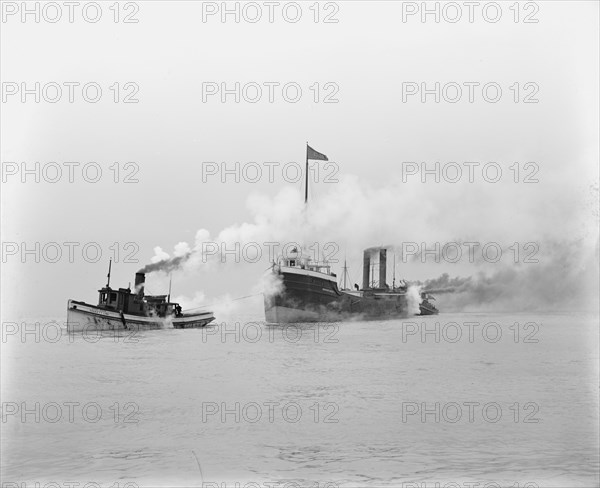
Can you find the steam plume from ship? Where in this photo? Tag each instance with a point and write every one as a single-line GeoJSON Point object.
{"type": "Point", "coordinates": [413, 298]}
{"type": "Point", "coordinates": [271, 284]}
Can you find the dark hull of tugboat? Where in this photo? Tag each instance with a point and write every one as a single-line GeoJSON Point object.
{"type": "Point", "coordinates": [427, 310]}
{"type": "Point", "coordinates": [308, 298]}
{"type": "Point", "coordinates": [83, 317]}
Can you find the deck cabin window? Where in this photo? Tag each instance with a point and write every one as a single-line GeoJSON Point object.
{"type": "Point", "coordinates": [113, 297]}
{"type": "Point", "coordinates": [292, 262]}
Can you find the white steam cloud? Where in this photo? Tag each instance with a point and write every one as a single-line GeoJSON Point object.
{"type": "Point", "coordinates": [413, 298]}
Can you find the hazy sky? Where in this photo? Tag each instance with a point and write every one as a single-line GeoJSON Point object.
{"type": "Point", "coordinates": [365, 57]}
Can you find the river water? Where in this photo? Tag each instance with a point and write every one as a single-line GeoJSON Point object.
{"type": "Point", "coordinates": [459, 398]}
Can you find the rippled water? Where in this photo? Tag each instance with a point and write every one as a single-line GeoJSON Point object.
{"type": "Point", "coordinates": [351, 383]}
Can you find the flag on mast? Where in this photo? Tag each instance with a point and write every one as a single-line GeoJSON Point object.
{"type": "Point", "coordinates": [315, 155]}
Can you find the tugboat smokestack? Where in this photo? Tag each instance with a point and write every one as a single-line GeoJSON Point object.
{"type": "Point", "coordinates": [382, 267]}
{"type": "Point", "coordinates": [366, 269]}
{"type": "Point", "coordinates": [140, 279]}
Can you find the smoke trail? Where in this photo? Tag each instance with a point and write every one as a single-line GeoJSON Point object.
{"type": "Point", "coordinates": [351, 213]}
{"type": "Point", "coordinates": [166, 265]}
{"type": "Point", "coordinates": [566, 278]}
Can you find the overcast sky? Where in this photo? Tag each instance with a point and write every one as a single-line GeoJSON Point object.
{"type": "Point", "coordinates": [366, 57]}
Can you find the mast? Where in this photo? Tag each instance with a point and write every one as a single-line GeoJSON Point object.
{"type": "Point", "coordinates": [394, 273]}
{"type": "Point", "coordinates": [108, 275]}
{"type": "Point", "coordinates": [372, 275]}
{"type": "Point", "coordinates": [170, 280]}
{"type": "Point", "coordinates": [306, 183]}
{"type": "Point", "coordinates": [345, 273]}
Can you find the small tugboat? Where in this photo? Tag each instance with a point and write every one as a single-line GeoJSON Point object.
{"type": "Point", "coordinates": [426, 307]}
{"type": "Point", "coordinates": [123, 310]}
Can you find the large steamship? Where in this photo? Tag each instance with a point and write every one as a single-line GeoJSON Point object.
{"type": "Point", "coordinates": [309, 292]}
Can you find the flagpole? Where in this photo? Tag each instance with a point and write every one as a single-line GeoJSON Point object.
{"type": "Point", "coordinates": [306, 184]}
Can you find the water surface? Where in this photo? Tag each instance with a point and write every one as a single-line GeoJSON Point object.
{"type": "Point", "coordinates": [336, 403]}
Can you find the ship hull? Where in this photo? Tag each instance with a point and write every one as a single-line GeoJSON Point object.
{"type": "Point", "coordinates": [425, 310]}
{"type": "Point", "coordinates": [307, 297]}
{"type": "Point", "coordinates": [82, 317]}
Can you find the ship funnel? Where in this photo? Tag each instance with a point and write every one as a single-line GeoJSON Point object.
{"type": "Point", "coordinates": [140, 279]}
{"type": "Point", "coordinates": [366, 269]}
{"type": "Point", "coordinates": [382, 267]}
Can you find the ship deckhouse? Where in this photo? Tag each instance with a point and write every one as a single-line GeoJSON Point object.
{"type": "Point", "coordinates": [303, 265]}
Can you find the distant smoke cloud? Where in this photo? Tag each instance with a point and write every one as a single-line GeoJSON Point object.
{"type": "Point", "coordinates": [565, 279]}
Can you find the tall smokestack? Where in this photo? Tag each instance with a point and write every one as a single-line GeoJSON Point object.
{"type": "Point", "coordinates": [366, 269]}
{"type": "Point", "coordinates": [382, 267]}
{"type": "Point", "coordinates": [140, 279]}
